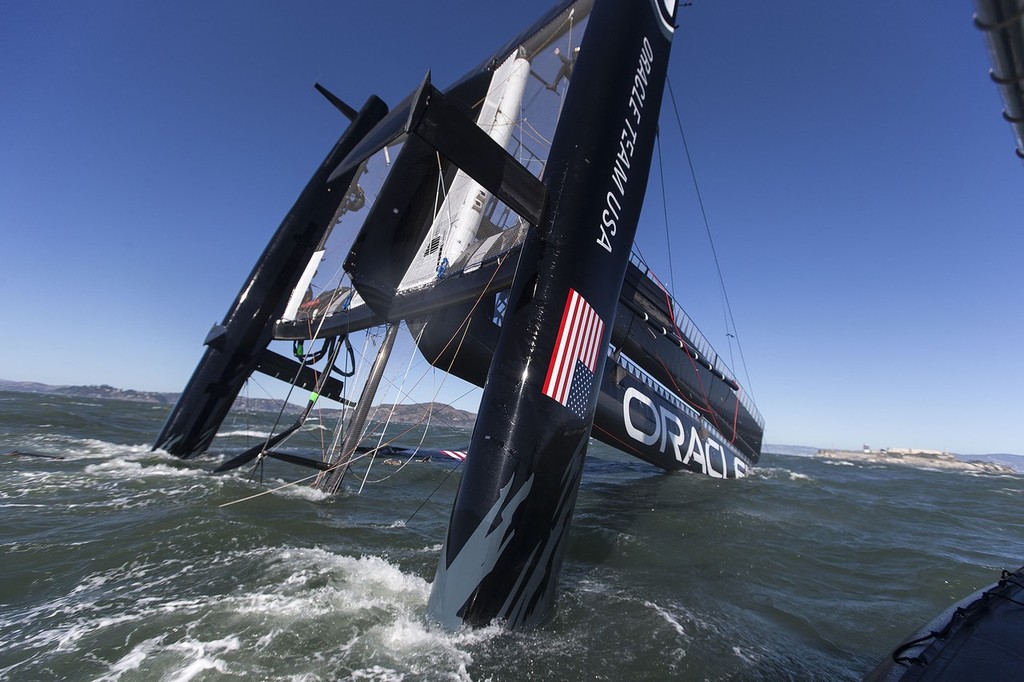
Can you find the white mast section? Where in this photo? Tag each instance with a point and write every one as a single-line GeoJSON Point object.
{"type": "Point", "coordinates": [458, 220]}
{"type": "Point", "coordinates": [299, 292]}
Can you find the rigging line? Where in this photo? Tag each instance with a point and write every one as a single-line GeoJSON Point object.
{"type": "Point", "coordinates": [320, 473]}
{"type": "Point", "coordinates": [422, 438]}
{"type": "Point", "coordinates": [407, 394]}
{"type": "Point", "coordinates": [271, 397]}
{"type": "Point", "coordinates": [664, 207]}
{"type": "Point", "coordinates": [319, 381]}
{"type": "Point", "coordinates": [372, 451]}
{"type": "Point", "coordinates": [294, 382]}
{"type": "Point", "coordinates": [434, 491]}
{"type": "Point", "coordinates": [268, 491]}
{"type": "Point", "coordinates": [703, 391]}
{"type": "Point", "coordinates": [534, 133]}
{"type": "Point", "coordinates": [707, 228]}
{"type": "Point", "coordinates": [391, 413]}
{"type": "Point", "coordinates": [465, 323]}
{"type": "Point", "coordinates": [568, 55]}
{"type": "Point", "coordinates": [339, 425]}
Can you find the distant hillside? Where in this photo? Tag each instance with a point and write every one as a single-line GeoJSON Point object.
{"type": "Point", "coordinates": [441, 414]}
{"type": "Point", "coordinates": [101, 391]}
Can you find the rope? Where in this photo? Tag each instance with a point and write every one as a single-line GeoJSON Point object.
{"type": "Point", "coordinates": [464, 325]}
{"type": "Point", "coordinates": [433, 492]}
{"type": "Point", "coordinates": [391, 414]}
{"type": "Point", "coordinates": [668, 239]}
{"type": "Point", "coordinates": [707, 228]}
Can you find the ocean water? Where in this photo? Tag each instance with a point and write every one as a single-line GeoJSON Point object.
{"type": "Point", "coordinates": [122, 564]}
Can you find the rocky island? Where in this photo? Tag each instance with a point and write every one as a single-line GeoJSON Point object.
{"type": "Point", "coordinates": [922, 459]}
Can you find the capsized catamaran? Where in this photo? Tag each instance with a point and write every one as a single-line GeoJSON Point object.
{"type": "Point", "coordinates": [495, 221]}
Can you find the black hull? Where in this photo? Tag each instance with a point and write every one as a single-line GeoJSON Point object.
{"type": "Point", "coordinates": [511, 517]}
{"type": "Point", "coordinates": [650, 423]}
{"type": "Point", "coordinates": [234, 348]}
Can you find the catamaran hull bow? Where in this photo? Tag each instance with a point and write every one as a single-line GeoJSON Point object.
{"type": "Point", "coordinates": [234, 347]}
{"type": "Point", "coordinates": [511, 517]}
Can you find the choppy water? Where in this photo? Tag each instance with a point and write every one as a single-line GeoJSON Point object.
{"type": "Point", "coordinates": [122, 564]}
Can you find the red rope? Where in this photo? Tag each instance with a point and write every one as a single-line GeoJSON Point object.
{"type": "Point", "coordinates": [623, 444]}
{"type": "Point", "coordinates": [679, 392]}
{"type": "Point", "coordinates": [735, 419]}
{"type": "Point", "coordinates": [679, 334]}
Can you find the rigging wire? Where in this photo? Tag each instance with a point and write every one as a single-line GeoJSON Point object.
{"type": "Point", "coordinates": [707, 228]}
{"type": "Point", "coordinates": [465, 324]}
{"type": "Point", "coordinates": [426, 426]}
{"type": "Point", "coordinates": [339, 428]}
{"type": "Point", "coordinates": [664, 207]}
{"type": "Point", "coordinates": [434, 491]}
{"type": "Point", "coordinates": [391, 413]}
{"type": "Point", "coordinates": [464, 327]}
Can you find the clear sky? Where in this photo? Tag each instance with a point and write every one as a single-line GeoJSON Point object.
{"type": "Point", "coordinates": [858, 179]}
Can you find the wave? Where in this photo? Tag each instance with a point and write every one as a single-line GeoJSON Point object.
{"type": "Point", "coordinates": [771, 473]}
{"type": "Point", "coordinates": [123, 468]}
{"type": "Point", "coordinates": [247, 433]}
{"type": "Point", "coordinates": [285, 617]}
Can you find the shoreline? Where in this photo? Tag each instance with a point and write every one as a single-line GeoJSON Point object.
{"type": "Point", "coordinates": [921, 459]}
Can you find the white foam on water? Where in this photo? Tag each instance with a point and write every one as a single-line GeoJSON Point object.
{"type": "Point", "coordinates": [376, 673]}
{"type": "Point", "coordinates": [202, 658]}
{"type": "Point", "coordinates": [89, 448]}
{"type": "Point", "coordinates": [70, 636]}
{"type": "Point", "coordinates": [300, 491]}
{"type": "Point", "coordinates": [84, 610]}
{"type": "Point", "coordinates": [382, 606]}
{"type": "Point", "coordinates": [367, 615]}
{"type": "Point", "coordinates": [747, 657]}
{"type": "Point", "coordinates": [248, 433]}
{"type": "Point", "coordinates": [131, 661]}
{"type": "Point", "coordinates": [668, 618]}
{"type": "Point", "coordinates": [771, 473]}
{"type": "Point", "coordinates": [121, 468]}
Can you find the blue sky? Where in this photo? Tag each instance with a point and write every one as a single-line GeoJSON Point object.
{"type": "Point", "coordinates": [858, 179]}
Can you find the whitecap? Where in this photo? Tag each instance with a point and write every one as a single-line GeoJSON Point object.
{"type": "Point", "coordinates": [202, 660]}
{"type": "Point", "coordinates": [301, 491]}
{"type": "Point", "coordinates": [131, 661]}
{"type": "Point", "coordinates": [745, 656]}
{"type": "Point", "coordinates": [668, 618]}
{"type": "Point", "coordinates": [248, 433]}
{"type": "Point", "coordinates": [124, 468]}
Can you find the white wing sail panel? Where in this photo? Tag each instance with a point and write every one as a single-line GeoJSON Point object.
{"type": "Point", "coordinates": [458, 220]}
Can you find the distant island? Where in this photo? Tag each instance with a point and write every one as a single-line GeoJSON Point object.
{"type": "Point", "coordinates": [922, 459]}
{"type": "Point", "coordinates": [415, 413]}
{"type": "Point", "coordinates": [101, 391]}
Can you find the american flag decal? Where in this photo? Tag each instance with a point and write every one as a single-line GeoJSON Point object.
{"type": "Point", "coordinates": [573, 361]}
{"type": "Point", "coordinates": [460, 455]}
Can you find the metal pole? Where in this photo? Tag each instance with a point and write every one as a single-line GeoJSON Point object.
{"type": "Point", "coordinates": [331, 482]}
